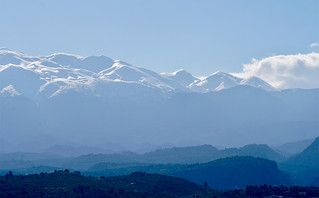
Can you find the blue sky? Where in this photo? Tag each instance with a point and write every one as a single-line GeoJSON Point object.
{"type": "Point", "coordinates": [202, 36]}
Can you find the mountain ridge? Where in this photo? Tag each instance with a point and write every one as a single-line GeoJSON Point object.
{"type": "Point", "coordinates": [67, 71]}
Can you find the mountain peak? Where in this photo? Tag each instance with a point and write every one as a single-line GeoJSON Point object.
{"type": "Point", "coordinates": [63, 71]}
{"type": "Point", "coordinates": [220, 73]}
{"type": "Point", "coordinates": [215, 82]}
{"type": "Point", "coordinates": [10, 91]}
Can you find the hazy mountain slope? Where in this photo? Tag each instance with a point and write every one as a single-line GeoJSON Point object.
{"type": "Point", "coordinates": [71, 151]}
{"type": "Point", "coordinates": [87, 161]}
{"type": "Point", "coordinates": [176, 155]}
{"type": "Point", "coordinates": [206, 153]}
{"type": "Point", "coordinates": [241, 114]}
{"type": "Point", "coordinates": [195, 154]}
{"type": "Point", "coordinates": [262, 151]}
{"type": "Point", "coordinates": [305, 165]}
{"type": "Point", "coordinates": [292, 148]}
{"type": "Point", "coordinates": [309, 156]}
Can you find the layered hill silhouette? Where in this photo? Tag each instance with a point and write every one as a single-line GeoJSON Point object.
{"type": "Point", "coordinates": [175, 155]}
{"type": "Point", "coordinates": [225, 173]}
{"type": "Point", "coordinates": [221, 169]}
{"type": "Point", "coordinates": [178, 155]}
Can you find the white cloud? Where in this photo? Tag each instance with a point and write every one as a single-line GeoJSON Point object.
{"type": "Point", "coordinates": [286, 71]}
{"type": "Point", "coordinates": [312, 45]}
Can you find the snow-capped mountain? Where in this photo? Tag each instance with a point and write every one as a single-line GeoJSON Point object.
{"type": "Point", "coordinates": [59, 73]}
{"type": "Point", "coordinates": [221, 80]}
{"type": "Point", "coordinates": [181, 76]}
{"type": "Point", "coordinates": [258, 83]}
{"type": "Point", "coordinates": [94, 101]}
{"type": "Point", "coordinates": [215, 82]}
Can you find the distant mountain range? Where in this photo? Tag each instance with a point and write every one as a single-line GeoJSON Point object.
{"type": "Point", "coordinates": [292, 148]}
{"type": "Point", "coordinates": [221, 169]}
{"type": "Point", "coordinates": [56, 74]}
{"type": "Point", "coordinates": [175, 155]}
{"type": "Point", "coordinates": [98, 102]}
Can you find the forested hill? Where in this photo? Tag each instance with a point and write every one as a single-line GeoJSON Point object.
{"type": "Point", "coordinates": [137, 184]}
{"type": "Point", "coordinates": [66, 184]}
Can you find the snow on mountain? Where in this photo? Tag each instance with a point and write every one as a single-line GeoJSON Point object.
{"type": "Point", "coordinates": [88, 100]}
{"type": "Point", "coordinates": [59, 73]}
{"type": "Point", "coordinates": [9, 91]}
{"type": "Point", "coordinates": [258, 83]}
{"type": "Point", "coordinates": [215, 82]}
{"type": "Point", "coordinates": [124, 72]}
{"type": "Point", "coordinates": [181, 76]}
{"type": "Point", "coordinates": [221, 80]}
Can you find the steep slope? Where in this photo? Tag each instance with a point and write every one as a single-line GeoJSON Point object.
{"type": "Point", "coordinates": [304, 166]}
{"type": "Point", "coordinates": [310, 156]}
{"type": "Point", "coordinates": [292, 148]}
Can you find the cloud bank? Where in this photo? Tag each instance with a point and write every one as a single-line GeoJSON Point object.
{"type": "Point", "coordinates": [286, 71]}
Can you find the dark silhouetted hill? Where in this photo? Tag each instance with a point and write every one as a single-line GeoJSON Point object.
{"type": "Point", "coordinates": [65, 184]}
{"type": "Point", "coordinates": [235, 172]}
